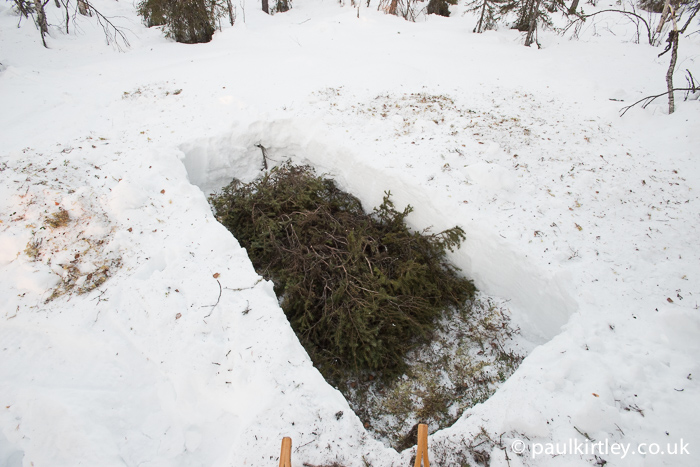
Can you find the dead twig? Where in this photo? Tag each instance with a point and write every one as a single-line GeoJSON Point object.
{"type": "Point", "coordinates": [99, 297]}
{"type": "Point", "coordinates": [217, 301]}
{"type": "Point", "coordinates": [584, 434]}
{"type": "Point", "coordinates": [112, 32]}
{"type": "Point", "coordinates": [264, 154]}
{"type": "Point", "coordinates": [240, 289]}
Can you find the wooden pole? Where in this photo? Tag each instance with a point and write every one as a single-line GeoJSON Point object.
{"type": "Point", "coordinates": [286, 454]}
{"type": "Point", "coordinates": [422, 449]}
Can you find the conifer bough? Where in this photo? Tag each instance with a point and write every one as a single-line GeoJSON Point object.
{"type": "Point", "coordinates": [358, 289]}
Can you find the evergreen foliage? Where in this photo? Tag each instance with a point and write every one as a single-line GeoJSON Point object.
{"type": "Point", "coordinates": [528, 15]}
{"type": "Point", "coordinates": [489, 12]}
{"type": "Point", "coordinates": [360, 290]}
{"type": "Point", "coordinates": [153, 12]}
{"type": "Point", "coordinates": [282, 5]}
{"type": "Point", "coordinates": [186, 21]}
{"type": "Point", "coordinates": [440, 7]}
{"type": "Point", "coordinates": [655, 6]}
{"type": "Point", "coordinates": [468, 357]}
{"type": "Point", "coordinates": [529, 11]}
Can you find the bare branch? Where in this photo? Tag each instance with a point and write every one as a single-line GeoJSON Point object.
{"type": "Point", "coordinates": [691, 82]}
{"type": "Point", "coordinates": [113, 33]}
{"type": "Point", "coordinates": [582, 18]}
{"type": "Point", "coordinates": [692, 15]}
{"type": "Point", "coordinates": [651, 99]}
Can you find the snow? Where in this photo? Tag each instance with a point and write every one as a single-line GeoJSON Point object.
{"type": "Point", "coordinates": [586, 222]}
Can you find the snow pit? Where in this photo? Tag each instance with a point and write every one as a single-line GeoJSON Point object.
{"type": "Point", "coordinates": [540, 302]}
{"type": "Point", "coordinates": [538, 305]}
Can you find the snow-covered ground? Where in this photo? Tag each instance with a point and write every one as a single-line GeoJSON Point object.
{"type": "Point", "coordinates": [138, 333]}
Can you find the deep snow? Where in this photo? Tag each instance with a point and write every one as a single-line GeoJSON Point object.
{"type": "Point", "coordinates": [584, 221]}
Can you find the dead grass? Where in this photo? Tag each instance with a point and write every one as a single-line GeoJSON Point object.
{"type": "Point", "coordinates": [75, 246]}
{"type": "Point", "coordinates": [73, 280]}
{"type": "Point", "coordinates": [58, 219]}
{"type": "Point", "coordinates": [33, 249]}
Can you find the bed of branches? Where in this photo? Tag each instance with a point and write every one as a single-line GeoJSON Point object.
{"type": "Point", "coordinates": [359, 289]}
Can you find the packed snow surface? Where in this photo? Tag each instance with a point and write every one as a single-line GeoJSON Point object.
{"type": "Point", "coordinates": [134, 330]}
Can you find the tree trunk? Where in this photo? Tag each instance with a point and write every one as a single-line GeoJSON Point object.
{"type": "Point", "coordinates": [673, 37]}
{"type": "Point", "coordinates": [84, 8]}
{"type": "Point", "coordinates": [573, 7]}
{"type": "Point", "coordinates": [65, 5]}
{"type": "Point", "coordinates": [393, 7]}
{"type": "Point", "coordinates": [41, 20]}
{"type": "Point", "coordinates": [534, 12]}
{"type": "Point", "coordinates": [664, 17]}
{"type": "Point", "coordinates": [669, 74]}
{"type": "Point", "coordinates": [22, 7]}
{"type": "Point", "coordinates": [481, 18]}
{"type": "Point", "coordinates": [265, 7]}
{"type": "Point", "coordinates": [231, 15]}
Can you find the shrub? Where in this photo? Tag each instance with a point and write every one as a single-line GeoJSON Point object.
{"type": "Point", "coordinates": [282, 5]}
{"type": "Point", "coordinates": [440, 7]}
{"type": "Point", "coordinates": [153, 12]}
{"type": "Point", "coordinates": [359, 289]}
{"type": "Point", "coordinates": [187, 21]}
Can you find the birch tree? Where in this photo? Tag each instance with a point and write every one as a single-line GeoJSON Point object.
{"type": "Point", "coordinates": [41, 22]}
{"type": "Point", "coordinates": [669, 15]}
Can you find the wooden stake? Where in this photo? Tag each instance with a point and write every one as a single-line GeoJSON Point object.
{"type": "Point", "coordinates": [422, 449]}
{"type": "Point", "coordinates": [286, 454]}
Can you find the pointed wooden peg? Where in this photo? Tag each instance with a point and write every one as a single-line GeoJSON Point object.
{"type": "Point", "coordinates": [286, 454]}
{"type": "Point", "coordinates": [422, 448]}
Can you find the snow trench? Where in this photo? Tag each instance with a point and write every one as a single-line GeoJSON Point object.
{"type": "Point", "coordinates": [540, 302]}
